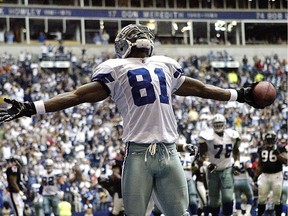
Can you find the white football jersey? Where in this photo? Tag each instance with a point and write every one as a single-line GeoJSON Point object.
{"type": "Point", "coordinates": [186, 161]}
{"type": "Point", "coordinates": [49, 183]}
{"type": "Point", "coordinates": [219, 148]}
{"type": "Point", "coordinates": [245, 162]}
{"type": "Point", "coordinates": [142, 90]}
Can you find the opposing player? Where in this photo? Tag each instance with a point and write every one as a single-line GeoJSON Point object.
{"type": "Point", "coordinates": [219, 145]}
{"type": "Point", "coordinates": [199, 171]}
{"type": "Point", "coordinates": [186, 161]}
{"type": "Point", "coordinates": [50, 186]}
{"type": "Point", "coordinates": [142, 86]}
{"type": "Point", "coordinates": [269, 174]}
{"type": "Point", "coordinates": [15, 185]}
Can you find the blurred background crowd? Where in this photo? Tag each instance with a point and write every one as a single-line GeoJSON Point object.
{"type": "Point", "coordinates": [85, 141]}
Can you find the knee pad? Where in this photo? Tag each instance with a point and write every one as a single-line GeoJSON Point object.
{"type": "Point", "coordinates": [227, 208]}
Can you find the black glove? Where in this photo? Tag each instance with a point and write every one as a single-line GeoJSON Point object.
{"type": "Point", "coordinates": [212, 167]}
{"type": "Point", "coordinates": [245, 95]}
{"type": "Point", "coordinates": [17, 110]}
{"type": "Point", "coordinates": [236, 170]}
{"type": "Point", "coordinates": [192, 149]}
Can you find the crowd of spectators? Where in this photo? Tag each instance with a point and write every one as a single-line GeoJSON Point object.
{"type": "Point", "coordinates": [87, 138]}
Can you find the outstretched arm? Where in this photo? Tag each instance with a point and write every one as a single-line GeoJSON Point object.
{"type": "Point", "coordinates": [193, 87]}
{"type": "Point", "coordinates": [91, 92]}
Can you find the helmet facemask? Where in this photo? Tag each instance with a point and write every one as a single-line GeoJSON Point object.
{"type": "Point", "coordinates": [218, 123]}
{"type": "Point", "coordinates": [49, 164]}
{"type": "Point", "coordinates": [138, 36]}
{"type": "Point", "coordinates": [270, 138]}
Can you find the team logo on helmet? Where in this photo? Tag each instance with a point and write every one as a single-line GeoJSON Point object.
{"type": "Point", "coordinates": [134, 35]}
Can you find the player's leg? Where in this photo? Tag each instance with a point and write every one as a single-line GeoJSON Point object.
{"type": "Point", "coordinates": [137, 181]}
{"type": "Point", "coordinates": [54, 204]}
{"type": "Point", "coordinates": [117, 204]}
{"type": "Point", "coordinates": [284, 197]}
{"type": "Point", "coordinates": [202, 196]}
{"type": "Point", "coordinates": [263, 191]}
{"type": "Point", "coordinates": [193, 206]}
{"type": "Point", "coordinates": [227, 189]}
{"type": "Point", "coordinates": [171, 188]}
{"type": "Point", "coordinates": [277, 180]}
{"type": "Point", "coordinates": [46, 205]}
{"type": "Point", "coordinates": [17, 204]}
{"type": "Point", "coordinates": [213, 182]}
{"type": "Point", "coordinates": [247, 189]}
{"type": "Point", "coordinates": [238, 191]}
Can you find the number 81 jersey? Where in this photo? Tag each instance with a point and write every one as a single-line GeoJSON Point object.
{"type": "Point", "coordinates": [142, 90]}
{"type": "Point", "coordinates": [219, 149]}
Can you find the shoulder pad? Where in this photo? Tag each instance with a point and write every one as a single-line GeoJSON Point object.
{"type": "Point", "coordinates": [58, 172]}
{"type": "Point", "coordinates": [232, 133]}
{"type": "Point", "coordinates": [206, 135]}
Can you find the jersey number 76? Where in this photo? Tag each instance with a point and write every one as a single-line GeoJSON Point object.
{"type": "Point", "coordinates": [227, 148]}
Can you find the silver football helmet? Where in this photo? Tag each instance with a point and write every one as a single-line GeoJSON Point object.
{"type": "Point", "coordinates": [49, 164]}
{"type": "Point", "coordinates": [218, 123]}
{"type": "Point", "coordinates": [134, 35]}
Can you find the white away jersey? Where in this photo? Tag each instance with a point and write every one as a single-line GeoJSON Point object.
{"type": "Point", "coordinates": [245, 163]}
{"type": "Point", "coordinates": [49, 183]}
{"type": "Point", "coordinates": [219, 148]}
{"type": "Point", "coordinates": [142, 90]}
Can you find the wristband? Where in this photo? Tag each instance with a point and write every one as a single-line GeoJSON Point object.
{"type": "Point", "coordinates": [40, 107]}
{"type": "Point", "coordinates": [233, 94]}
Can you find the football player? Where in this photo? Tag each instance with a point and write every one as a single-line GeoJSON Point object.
{"type": "Point", "coordinates": [269, 174]}
{"type": "Point", "coordinates": [284, 196]}
{"type": "Point", "coordinates": [187, 151]}
{"type": "Point", "coordinates": [242, 186]}
{"type": "Point", "coordinates": [199, 171]}
{"type": "Point", "coordinates": [142, 86]}
{"type": "Point", "coordinates": [15, 185]}
{"type": "Point", "coordinates": [220, 145]}
{"type": "Point", "coordinates": [50, 186]}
